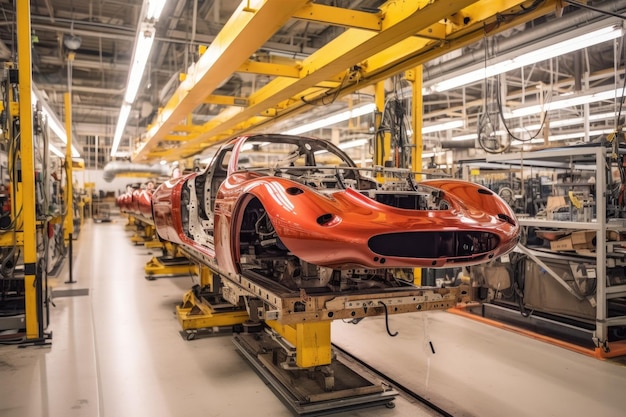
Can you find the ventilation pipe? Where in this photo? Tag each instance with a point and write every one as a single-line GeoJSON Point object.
{"type": "Point", "coordinates": [115, 168]}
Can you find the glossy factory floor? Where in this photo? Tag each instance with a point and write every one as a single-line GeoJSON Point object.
{"type": "Point", "coordinates": [117, 352]}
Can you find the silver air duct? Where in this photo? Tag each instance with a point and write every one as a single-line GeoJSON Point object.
{"type": "Point", "coordinates": [115, 168]}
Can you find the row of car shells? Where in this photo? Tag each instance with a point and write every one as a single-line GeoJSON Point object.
{"type": "Point", "coordinates": [136, 201]}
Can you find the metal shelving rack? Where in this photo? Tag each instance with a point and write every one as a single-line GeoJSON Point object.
{"type": "Point", "coordinates": [585, 158]}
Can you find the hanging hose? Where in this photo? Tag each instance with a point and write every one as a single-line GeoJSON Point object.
{"type": "Point", "coordinates": [387, 320]}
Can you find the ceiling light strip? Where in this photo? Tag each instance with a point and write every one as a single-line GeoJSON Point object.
{"type": "Point", "coordinates": [542, 54]}
{"type": "Point", "coordinates": [144, 40]}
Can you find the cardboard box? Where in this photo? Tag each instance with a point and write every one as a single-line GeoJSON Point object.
{"type": "Point", "coordinates": [585, 239]}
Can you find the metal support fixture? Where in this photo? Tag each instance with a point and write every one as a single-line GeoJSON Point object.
{"type": "Point", "coordinates": [549, 270]}
{"type": "Point", "coordinates": [311, 341]}
{"type": "Point", "coordinates": [130, 225]}
{"type": "Point", "coordinates": [199, 314]}
{"type": "Point", "coordinates": [144, 233]}
{"type": "Point", "coordinates": [168, 266]}
{"type": "Point", "coordinates": [285, 334]}
{"type": "Point", "coordinates": [204, 310]}
{"type": "Point", "coordinates": [340, 385]}
{"type": "Point", "coordinates": [154, 244]}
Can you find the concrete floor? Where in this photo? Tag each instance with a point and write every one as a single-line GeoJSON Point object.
{"type": "Point", "coordinates": [117, 352]}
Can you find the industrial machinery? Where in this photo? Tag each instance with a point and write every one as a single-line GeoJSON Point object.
{"type": "Point", "coordinates": [23, 301]}
{"type": "Point", "coordinates": [295, 236]}
{"type": "Point", "coordinates": [566, 279]}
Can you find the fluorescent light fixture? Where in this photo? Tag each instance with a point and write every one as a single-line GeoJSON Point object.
{"type": "Point", "coordinates": [155, 7]}
{"type": "Point", "coordinates": [119, 129]}
{"type": "Point", "coordinates": [452, 124]}
{"type": "Point", "coordinates": [332, 120]}
{"type": "Point", "coordinates": [565, 136]}
{"type": "Point", "coordinates": [567, 101]}
{"type": "Point", "coordinates": [471, 136]}
{"type": "Point", "coordinates": [541, 54]}
{"type": "Point", "coordinates": [566, 122]}
{"type": "Point", "coordinates": [56, 151]}
{"type": "Point", "coordinates": [143, 46]}
{"type": "Point", "coordinates": [353, 144]}
{"type": "Point", "coordinates": [144, 40]}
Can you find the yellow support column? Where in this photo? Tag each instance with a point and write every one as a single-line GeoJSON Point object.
{"type": "Point", "coordinates": [417, 122]}
{"type": "Point", "coordinates": [26, 181]}
{"type": "Point", "coordinates": [207, 279]}
{"type": "Point", "coordinates": [312, 341]}
{"type": "Point", "coordinates": [417, 114]}
{"type": "Point", "coordinates": [68, 225]}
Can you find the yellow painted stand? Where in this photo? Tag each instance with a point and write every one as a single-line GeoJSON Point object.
{"type": "Point", "coordinates": [131, 223]}
{"type": "Point", "coordinates": [207, 311]}
{"type": "Point", "coordinates": [312, 341]}
{"type": "Point", "coordinates": [154, 244]}
{"type": "Point", "coordinates": [143, 234]}
{"type": "Point", "coordinates": [159, 267]}
{"type": "Point", "coordinates": [196, 314]}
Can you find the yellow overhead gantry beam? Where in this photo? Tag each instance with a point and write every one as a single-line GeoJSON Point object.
{"type": "Point", "coordinates": [411, 33]}
{"type": "Point", "coordinates": [250, 26]}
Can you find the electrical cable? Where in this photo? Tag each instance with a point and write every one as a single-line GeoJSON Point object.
{"type": "Point", "coordinates": [394, 121]}
{"type": "Point", "coordinates": [485, 122]}
{"type": "Point", "coordinates": [387, 320]}
{"type": "Point", "coordinates": [506, 127]}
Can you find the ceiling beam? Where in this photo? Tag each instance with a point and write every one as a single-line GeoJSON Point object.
{"type": "Point", "coordinates": [340, 17]}
{"type": "Point", "coordinates": [402, 20]}
{"type": "Point", "coordinates": [251, 25]}
{"type": "Point", "coordinates": [412, 33]}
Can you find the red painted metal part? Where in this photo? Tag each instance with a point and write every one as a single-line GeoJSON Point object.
{"type": "Point", "coordinates": [345, 229]}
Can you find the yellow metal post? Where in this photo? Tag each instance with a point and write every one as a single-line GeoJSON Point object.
{"type": "Point", "coordinates": [69, 218]}
{"type": "Point", "coordinates": [312, 341]}
{"type": "Point", "coordinates": [207, 279]}
{"type": "Point", "coordinates": [417, 114]}
{"type": "Point", "coordinates": [417, 122]}
{"type": "Point", "coordinates": [26, 181]}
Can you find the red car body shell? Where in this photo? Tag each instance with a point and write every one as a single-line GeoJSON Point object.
{"type": "Point", "coordinates": [137, 202]}
{"type": "Point", "coordinates": [343, 229]}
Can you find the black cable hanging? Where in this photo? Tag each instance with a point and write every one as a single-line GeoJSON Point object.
{"type": "Point", "coordinates": [394, 120]}
{"type": "Point", "coordinates": [486, 128]}
{"type": "Point", "coordinates": [387, 320]}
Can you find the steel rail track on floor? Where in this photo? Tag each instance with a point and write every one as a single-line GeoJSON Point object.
{"type": "Point", "coordinates": [352, 387]}
{"type": "Point", "coordinates": [285, 333]}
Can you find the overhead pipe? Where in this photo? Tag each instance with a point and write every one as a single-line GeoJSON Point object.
{"type": "Point", "coordinates": [458, 144]}
{"type": "Point", "coordinates": [115, 168]}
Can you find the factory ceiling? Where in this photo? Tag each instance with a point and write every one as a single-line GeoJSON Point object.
{"type": "Point", "coordinates": [87, 46]}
